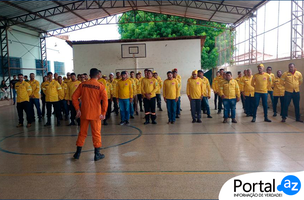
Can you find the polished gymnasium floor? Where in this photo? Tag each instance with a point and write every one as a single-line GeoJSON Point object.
{"type": "Point", "coordinates": [183, 161]}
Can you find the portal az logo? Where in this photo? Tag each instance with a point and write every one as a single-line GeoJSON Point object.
{"type": "Point", "coordinates": [290, 185]}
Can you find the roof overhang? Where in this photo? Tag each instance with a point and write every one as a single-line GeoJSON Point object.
{"type": "Point", "coordinates": [45, 16]}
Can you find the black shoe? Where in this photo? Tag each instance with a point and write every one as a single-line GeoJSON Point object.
{"type": "Point", "coordinates": [209, 116]}
{"type": "Point", "coordinates": [132, 117]}
{"type": "Point", "coordinates": [58, 123]}
{"type": "Point", "coordinates": [172, 122]}
{"type": "Point", "coordinates": [71, 124]}
{"type": "Point", "coordinates": [215, 108]}
{"type": "Point", "coordinates": [180, 109]}
{"type": "Point", "coordinates": [98, 155]}
{"type": "Point", "coordinates": [274, 114]}
{"type": "Point", "coordinates": [40, 119]}
{"type": "Point", "coordinates": [77, 154]}
{"type": "Point", "coordinates": [247, 115]}
{"type": "Point", "coordinates": [47, 124]}
{"type": "Point", "coordinates": [204, 112]}
{"type": "Point", "coordinates": [299, 120]}
{"type": "Point", "coordinates": [193, 121]}
{"type": "Point", "coordinates": [219, 112]}
{"type": "Point", "coordinates": [253, 119]}
{"type": "Point", "coordinates": [136, 113]}
{"type": "Point", "coordinates": [199, 121]}
{"type": "Point", "coordinates": [141, 110]}
{"type": "Point", "coordinates": [105, 123]}
{"type": "Point", "coordinates": [154, 122]}
{"type": "Point", "coordinates": [127, 122]}
{"type": "Point", "coordinates": [267, 120]}
{"type": "Point", "coordinates": [160, 109]}
{"type": "Point", "coordinates": [177, 116]}
{"type": "Point", "coordinates": [122, 123]}
{"type": "Point", "coordinates": [146, 122]}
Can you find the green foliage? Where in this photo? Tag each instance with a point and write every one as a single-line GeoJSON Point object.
{"type": "Point", "coordinates": [173, 27]}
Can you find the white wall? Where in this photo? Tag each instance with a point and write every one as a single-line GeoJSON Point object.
{"type": "Point", "coordinates": [25, 44]}
{"type": "Point", "coordinates": [185, 55]}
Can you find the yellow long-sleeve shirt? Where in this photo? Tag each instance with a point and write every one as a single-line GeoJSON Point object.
{"type": "Point", "coordinates": [246, 87]}
{"type": "Point", "coordinates": [66, 81]}
{"type": "Point", "coordinates": [261, 82]}
{"type": "Point", "coordinates": [35, 85]}
{"type": "Point", "coordinates": [71, 88]}
{"type": "Point", "coordinates": [103, 81]}
{"type": "Point", "coordinates": [292, 82]}
{"type": "Point", "coordinates": [23, 90]}
{"type": "Point", "coordinates": [195, 88]}
{"type": "Point", "coordinates": [114, 86]}
{"type": "Point", "coordinates": [53, 91]}
{"type": "Point", "coordinates": [159, 85]}
{"type": "Point", "coordinates": [171, 89]}
{"type": "Point", "coordinates": [272, 76]}
{"type": "Point", "coordinates": [134, 85]}
{"type": "Point", "coordinates": [278, 88]}
{"type": "Point", "coordinates": [179, 77]}
{"type": "Point", "coordinates": [216, 82]}
{"type": "Point", "coordinates": [138, 86]}
{"type": "Point", "coordinates": [65, 91]}
{"type": "Point", "coordinates": [124, 89]}
{"type": "Point", "coordinates": [230, 89]}
{"type": "Point", "coordinates": [206, 87]}
{"type": "Point", "coordinates": [149, 86]}
{"type": "Point", "coordinates": [179, 86]}
{"type": "Point", "coordinates": [109, 90]}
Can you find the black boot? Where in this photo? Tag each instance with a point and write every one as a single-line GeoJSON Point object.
{"type": "Point", "coordinates": [105, 122]}
{"type": "Point", "coordinates": [58, 122]}
{"type": "Point", "coordinates": [98, 155]}
{"type": "Point", "coordinates": [147, 119]}
{"type": "Point", "coordinates": [48, 123]}
{"type": "Point", "coordinates": [153, 118]}
{"type": "Point", "coordinates": [77, 154]}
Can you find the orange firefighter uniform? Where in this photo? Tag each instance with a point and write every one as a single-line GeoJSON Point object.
{"type": "Point", "coordinates": [91, 93]}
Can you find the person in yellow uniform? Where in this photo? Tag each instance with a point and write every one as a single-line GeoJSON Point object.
{"type": "Point", "coordinates": [115, 98]}
{"type": "Point", "coordinates": [109, 90]}
{"type": "Point", "coordinates": [56, 77]}
{"type": "Point", "coordinates": [53, 92]}
{"type": "Point", "coordinates": [219, 79]}
{"type": "Point", "coordinates": [160, 86]}
{"type": "Point", "coordinates": [23, 90]}
{"type": "Point", "coordinates": [270, 89]}
{"type": "Point", "coordinates": [63, 99]}
{"type": "Point", "coordinates": [101, 79]}
{"type": "Point", "coordinates": [148, 90]}
{"type": "Point", "coordinates": [139, 95]}
{"type": "Point", "coordinates": [195, 94]}
{"type": "Point", "coordinates": [71, 88]}
{"type": "Point", "coordinates": [45, 79]}
{"type": "Point", "coordinates": [214, 87]}
{"type": "Point", "coordinates": [243, 96]}
{"type": "Point", "coordinates": [34, 97]}
{"type": "Point", "coordinates": [230, 93]}
{"type": "Point", "coordinates": [206, 93]}
{"type": "Point", "coordinates": [278, 93]}
{"type": "Point", "coordinates": [170, 94]}
{"type": "Point", "coordinates": [135, 85]}
{"type": "Point", "coordinates": [178, 104]}
{"type": "Point", "coordinates": [239, 79]}
{"type": "Point", "coordinates": [124, 93]}
{"type": "Point", "coordinates": [261, 82]}
{"type": "Point", "coordinates": [68, 79]}
{"type": "Point", "coordinates": [291, 80]}
{"type": "Point", "coordinates": [247, 91]}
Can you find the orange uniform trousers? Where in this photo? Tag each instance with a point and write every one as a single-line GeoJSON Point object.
{"type": "Point", "coordinates": [95, 128]}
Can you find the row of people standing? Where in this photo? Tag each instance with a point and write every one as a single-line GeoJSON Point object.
{"type": "Point", "coordinates": [284, 86]}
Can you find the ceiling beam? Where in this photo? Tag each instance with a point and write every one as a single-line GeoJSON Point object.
{"type": "Point", "coordinates": [216, 10]}
{"type": "Point", "coordinates": [22, 24]}
{"type": "Point", "coordinates": [30, 12]}
{"type": "Point", "coordinates": [84, 19]}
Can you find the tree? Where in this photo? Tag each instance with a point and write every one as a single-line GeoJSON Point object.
{"type": "Point", "coordinates": [172, 26]}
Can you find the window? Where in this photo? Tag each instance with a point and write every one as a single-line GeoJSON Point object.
{"type": "Point", "coordinates": [38, 65]}
{"type": "Point", "coordinates": [14, 62]}
{"type": "Point", "coordinates": [59, 68]}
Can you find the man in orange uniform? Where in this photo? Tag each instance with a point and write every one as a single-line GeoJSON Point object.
{"type": "Point", "coordinates": [92, 112]}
